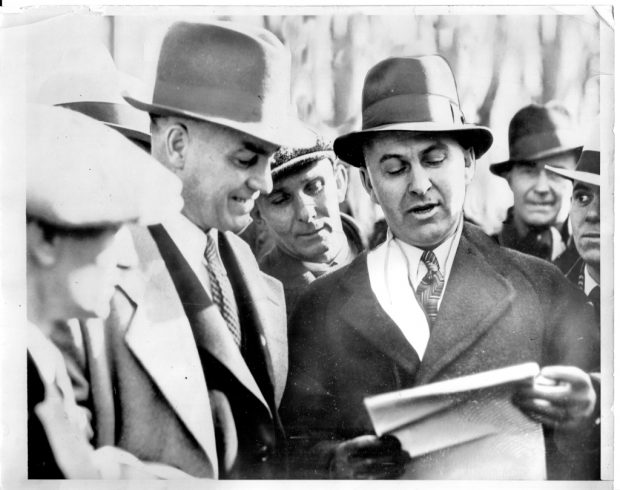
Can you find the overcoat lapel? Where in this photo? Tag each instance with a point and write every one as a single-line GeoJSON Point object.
{"type": "Point", "coordinates": [209, 327]}
{"type": "Point", "coordinates": [266, 310]}
{"type": "Point", "coordinates": [362, 312]}
{"type": "Point", "coordinates": [476, 296]}
{"type": "Point", "coordinates": [160, 337]}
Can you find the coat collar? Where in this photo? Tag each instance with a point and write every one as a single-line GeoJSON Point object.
{"type": "Point", "coordinates": [160, 337]}
{"type": "Point", "coordinates": [463, 317]}
{"type": "Point", "coordinates": [461, 320]}
{"type": "Point", "coordinates": [362, 312]}
{"type": "Point", "coordinates": [264, 298]}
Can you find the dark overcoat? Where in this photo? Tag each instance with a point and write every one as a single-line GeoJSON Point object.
{"type": "Point", "coordinates": [499, 308]}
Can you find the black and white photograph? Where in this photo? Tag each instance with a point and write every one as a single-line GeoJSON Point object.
{"type": "Point", "coordinates": [277, 245]}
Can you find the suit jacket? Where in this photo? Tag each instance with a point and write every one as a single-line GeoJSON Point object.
{"type": "Point", "coordinates": [166, 380]}
{"type": "Point", "coordinates": [500, 307]}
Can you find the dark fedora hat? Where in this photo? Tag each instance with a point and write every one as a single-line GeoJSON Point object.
{"type": "Point", "coordinates": [411, 94]}
{"type": "Point", "coordinates": [539, 131]}
{"type": "Point", "coordinates": [235, 76]}
{"type": "Point", "coordinates": [588, 168]}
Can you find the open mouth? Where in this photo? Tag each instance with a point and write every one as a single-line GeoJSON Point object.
{"type": "Point", "coordinates": [423, 209]}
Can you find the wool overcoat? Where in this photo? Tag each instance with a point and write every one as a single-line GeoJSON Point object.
{"type": "Point", "coordinates": [499, 308]}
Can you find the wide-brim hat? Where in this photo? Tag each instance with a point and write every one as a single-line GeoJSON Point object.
{"type": "Point", "coordinates": [539, 131]}
{"type": "Point", "coordinates": [234, 76]}
{"type": "Point", "coordinates": [588, 168]}
{"type": "Point", "coordinates": [82, 174]}
{"type": "Point", "coordinates": [411, 94]}
{"type": "Point", "coordinates": [93, 88]}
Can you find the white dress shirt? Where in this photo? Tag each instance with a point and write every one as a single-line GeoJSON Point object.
{"type": "Point", "coordinates": [192, 242]}
{"type": "Point", "coordinates": [588, 281]}
{"type": "Point", "coordinates": [395, 271]}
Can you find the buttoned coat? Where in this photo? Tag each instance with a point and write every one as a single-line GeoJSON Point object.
{"type": "Point", "coordinates": [499, 308]}
{"type": "Point", "coordinates": [165, 379]}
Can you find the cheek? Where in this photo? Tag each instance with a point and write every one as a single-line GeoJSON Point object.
{"type": "Point", "coordinates": [280, 220]}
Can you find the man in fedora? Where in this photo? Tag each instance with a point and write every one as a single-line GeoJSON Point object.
{"type": "Point", "coordinates": [199, 350]}
{"type": "Point", "coordinates": [303, 216]}
{"type": "Point", "coordinates": [76, 217]}
{"type": "Point", "coordinates": [437, 300]}
{"type": "Point", "coordinates": [538, 136]}
{"type": "Point", "coordinates": [582, 461]}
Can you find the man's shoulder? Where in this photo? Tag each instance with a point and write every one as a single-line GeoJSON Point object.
{"type": "Point", "coordinates": [352, 276]}
{"type": "Point", "coordinates": [509, 261]}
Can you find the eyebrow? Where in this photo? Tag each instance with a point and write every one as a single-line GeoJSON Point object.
{"type": "Point", "coordinates": [260, 150]}
{"type": "Point", "coordinates": [433, 147]}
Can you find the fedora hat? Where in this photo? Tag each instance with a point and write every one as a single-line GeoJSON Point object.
{"type": "Point", "coordinates": [539, 131]}
{"type": "Point", "coordinates": [411, 94]}
{"type": "Point", "coordinates": [92, 86]}
{"type": "Point", "coordinates": [235, 76]}
{"type": "Point", "coordinates": [588, 168]}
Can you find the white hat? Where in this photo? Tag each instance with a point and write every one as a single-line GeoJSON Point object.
{"type": "Point", "coordinates": [80, 173]}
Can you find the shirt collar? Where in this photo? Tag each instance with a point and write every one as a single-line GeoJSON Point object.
{"type": "Point", "coordinates": [444, 252]}
{"type": "Point", "coordinates": [588, 281]}
{"type": "Point", "coordinates": [43, 352]}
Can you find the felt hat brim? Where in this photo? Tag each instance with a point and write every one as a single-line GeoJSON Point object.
{"type": "Point", "coordinates": [502, 168]}
{"type": "Point", "coordinates": [576, 175]}
{"type": "Point", "coordinates": [349, 147]}
{"type": "Point", "coordinates": [285, 133]}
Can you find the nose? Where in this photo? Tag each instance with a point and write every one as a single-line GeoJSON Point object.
{"type": "Point", "coordinates": [260, 177]}
{"type": "Point", "coordinates": [593, 215]}
{"type": "Point", "coordinates": [542, 183]}
{"type": "Point", "coordinates": [305, 209]}
{"type": "Point", "coordinates": [420, 183]}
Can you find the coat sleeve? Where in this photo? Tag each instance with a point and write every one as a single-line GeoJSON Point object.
{"type": "Point", "coordinates": [309, 408]}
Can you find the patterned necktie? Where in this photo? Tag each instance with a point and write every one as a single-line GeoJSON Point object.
{"type": "Point", "coordinates": [429, 290]}
{"type": "Point", "coordinates": [221, 290]}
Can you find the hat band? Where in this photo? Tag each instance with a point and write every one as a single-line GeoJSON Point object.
{"type": "Point", "coordinates": [222, 103]}
{"type": "Point", "coordinates": [412, 108]}
{"type": "Point", "coordinates": [528, 147]}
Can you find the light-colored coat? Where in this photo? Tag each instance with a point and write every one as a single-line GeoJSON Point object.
{"type": "Point", "coordinates": [147, 387]}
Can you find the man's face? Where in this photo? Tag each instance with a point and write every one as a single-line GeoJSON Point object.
{"type": "Point", "coordinates": [419, 180]}
{"type": "Point", "coordinates": [541, 198]}
{"type": "Point", "coordinates": [585, 216]}
{"type": "Point", "coordinates": [225, 171]}
{"type": "Point", "coordinates": [86, 272]}
{"type": "Point", "coordinates": [303, 213]}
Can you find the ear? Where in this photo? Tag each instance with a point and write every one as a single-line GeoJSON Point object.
{"type": "Point", "coordinates": [367, 183]}
{"type": "Point", "coordinates": [470, 165]}
{"type": "Point", "coordinates": [176, 138]}
{"type": "Point", "coordinates": [342, 180]}
{"type": "Point", "coordinates": [44, 253]}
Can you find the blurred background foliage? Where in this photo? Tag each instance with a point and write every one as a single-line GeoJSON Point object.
{"type": "Point", "coordinates": [501, 63]}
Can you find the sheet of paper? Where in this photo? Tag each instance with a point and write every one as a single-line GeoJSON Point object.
{"type": "Point", "coordinates": [465, 427]}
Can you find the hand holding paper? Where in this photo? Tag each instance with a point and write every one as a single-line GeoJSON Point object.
{"type": "Point", "coordinates": [561, 397]}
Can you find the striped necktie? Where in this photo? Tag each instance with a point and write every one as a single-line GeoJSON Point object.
{"type": "Point", "coordinates": [221, 290]}
{"type": "Point", "coordinates": [431, 286]}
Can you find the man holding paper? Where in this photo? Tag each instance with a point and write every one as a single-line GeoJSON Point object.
{"type": "Point", "coordinates": [437, 300]}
